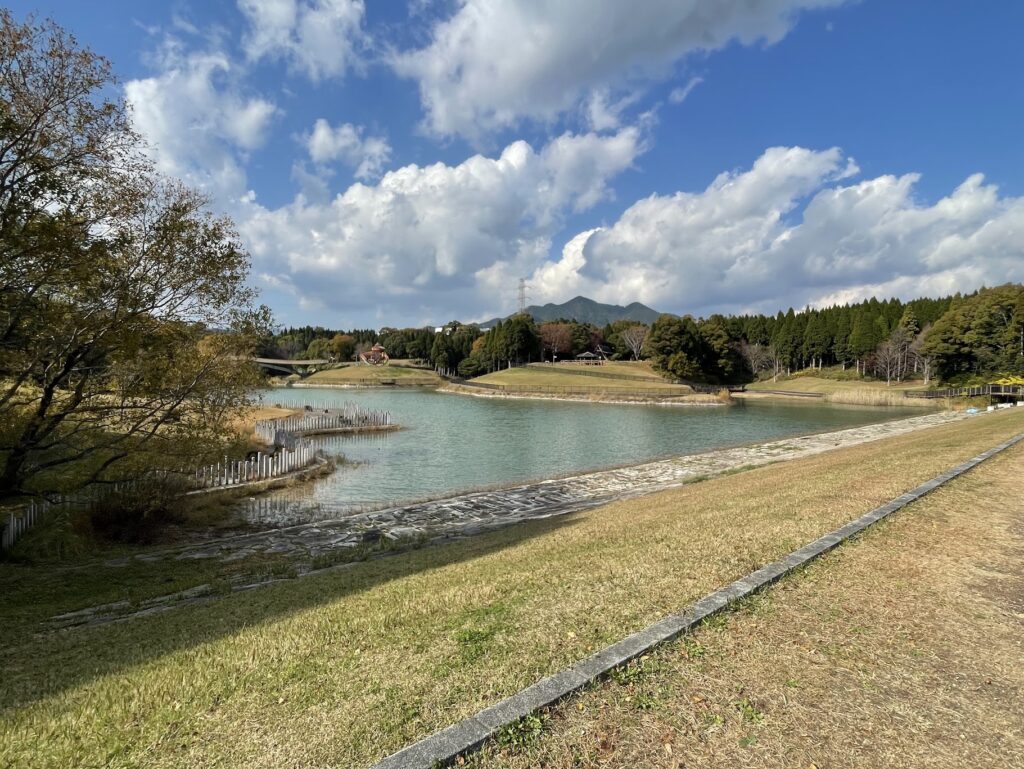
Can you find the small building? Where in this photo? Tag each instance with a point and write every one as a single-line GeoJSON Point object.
{"type": "Point", "coordinates": [375, 356]}
{"type": "Point", "coordinates": [589, 358]}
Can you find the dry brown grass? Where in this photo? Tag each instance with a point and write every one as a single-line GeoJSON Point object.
{"type": "Point", "coordinates": [875, 396]}
{"type": "Point", "coordinates": [245, 424]}
{"type": "Point", "coordinates": [902, 649]}
{"type": "Point", "coordinates": [341, 669]}
{"type": "Point", "coordinates": [824, 385]}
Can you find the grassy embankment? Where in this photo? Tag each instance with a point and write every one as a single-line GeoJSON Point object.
{"type": "Point", "coordinates": [361, 375]}
{"type": "Point", "coordinates": [611, 381]}
{"type": "Point", "coordinates": [901, 648]}
{"type": "Point", "coordinates": [245, 424]}
{"type": "Point", "coordinates": [839, 388]}
{"type": "Point", "coordinates": [340, 669]}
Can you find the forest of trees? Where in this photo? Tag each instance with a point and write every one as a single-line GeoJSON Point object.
{"type": "Point", "coordinates": [957, 339]}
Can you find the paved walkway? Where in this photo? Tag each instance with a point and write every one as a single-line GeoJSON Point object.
{"type": "Point", "coordinates": [474, 513]}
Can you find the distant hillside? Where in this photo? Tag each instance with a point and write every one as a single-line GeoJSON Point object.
{"type": "Point", "coordinates": [588, 311]}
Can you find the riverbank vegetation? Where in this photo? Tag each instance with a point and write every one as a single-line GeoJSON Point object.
{"type": "Point", "coordinates": [370, 376]}
{"type": "Point", "coordinates": [342, 668]}
{"type": "Point", "coordinates": [844, 390]}
{"type": "Point", "coordinates": [126, 322]}
{"type": "Point", "coordinates": [959, 340]}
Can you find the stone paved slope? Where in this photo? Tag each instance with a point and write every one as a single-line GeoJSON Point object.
{"type": "Point", "coordinates": [470, 514]}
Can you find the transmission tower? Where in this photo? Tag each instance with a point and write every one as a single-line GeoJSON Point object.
{"type": "Point", "coordinates": [522, 294]}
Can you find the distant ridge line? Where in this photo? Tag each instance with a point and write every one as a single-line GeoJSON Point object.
{"type": "Point", "coordinates": [585, 310]}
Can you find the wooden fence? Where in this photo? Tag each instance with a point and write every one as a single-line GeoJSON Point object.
{"type": "Point", "coordinates": [321, 419]}
{"type": "Point", "coordinates": [293, 454]}
{"type": "Point", "coordinates": [262, 467]}
{"type": "Point", "coordinates": [16, 525]}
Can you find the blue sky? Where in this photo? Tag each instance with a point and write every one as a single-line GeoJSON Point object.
{"type": "Point", "coordinates": [406, 162]}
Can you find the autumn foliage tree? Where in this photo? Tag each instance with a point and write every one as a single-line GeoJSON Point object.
{"type": "Point", "coordinates": [125, 320]}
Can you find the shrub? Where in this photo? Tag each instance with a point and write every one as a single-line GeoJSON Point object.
{"type": "Point", "coordinates": [138, 513]}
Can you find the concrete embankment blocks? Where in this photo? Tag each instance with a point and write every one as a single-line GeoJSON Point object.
{"type": "Point", "coordinates": [445, 746]}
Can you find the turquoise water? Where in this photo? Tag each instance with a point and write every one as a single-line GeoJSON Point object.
{"type": "Point", "coordinates": [453, 443]}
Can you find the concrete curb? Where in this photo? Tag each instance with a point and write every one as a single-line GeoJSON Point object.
{"type": "Point", "coordinates": [443, 747]}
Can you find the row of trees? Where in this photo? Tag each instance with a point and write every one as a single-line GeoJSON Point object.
{"type": "Point", "coordinates": [955, 337]}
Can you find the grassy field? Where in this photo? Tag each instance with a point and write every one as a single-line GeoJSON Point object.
{"type": "Point", "coordinates": [569, 376]}
{"type": "Point", "coordinates": [341, 669]}
{"type": "Point", "coordinates": [359, 374]}
{"type": "Point", "coordinates": [902, 648]}
{"type": "Point", "coordinates": [627, 369]}
{"type": "Point", "coordinates": [813, 384]}
{"type": "Point", "coordinates": [852, 392]}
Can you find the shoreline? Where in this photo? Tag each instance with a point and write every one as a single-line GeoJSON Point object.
{"type": "Point", "coordinates": [678, 470]}
{"type": "Point", "coordinates": [699, 399]}
{"type": "Point", "coordinates": [465, 515]}
{"type": "Point", "coordinates": [336, 386]}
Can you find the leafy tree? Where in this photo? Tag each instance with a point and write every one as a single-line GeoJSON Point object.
{"type": "Point", "coordinates": [840, 336]}
{"type": "Point", "coordinates": [909, 322]}
{"type": "Point", "coordinates": [785, 339]}
{"type": "Point", "coordinates": [674, 345]}
{"type": "Point", "coordinates": [343, 347]}
{"type": "Point", "coordinates": [720, 358]}
{"type": "Point", "coordinates": [443, 356]}
{"type": "Point", "coordinates": [522, 340]}
{"type": "Point", "coordinates": [980, 335]}
{"type": "Point", "coordinates": [556, 339]}
{"type": "Point", "coordinates": [584, 337]}
{"type": "Point", "coordinates": [864, 337]}
{"type": "Point", "coordinates": [112, 283]}
{"type": "Point", "coordinates": [816, 338]}
{"type": "Point", "coordinates": [319, 349]}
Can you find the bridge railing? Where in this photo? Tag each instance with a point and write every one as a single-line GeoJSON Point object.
{"type": "Point", "coordinates": [1008, 391]}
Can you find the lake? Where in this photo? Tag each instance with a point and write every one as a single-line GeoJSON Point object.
{"type": "Point", "coordinates": [453, 443]}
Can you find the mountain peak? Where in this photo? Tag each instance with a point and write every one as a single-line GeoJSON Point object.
{"type": "Point", "coordinates": [586, 310]}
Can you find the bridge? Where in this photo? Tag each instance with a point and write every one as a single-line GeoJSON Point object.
{"type": "Point", "coordinates": [286, 366]}
{"type": "Point", "coordinates": [992, 390]}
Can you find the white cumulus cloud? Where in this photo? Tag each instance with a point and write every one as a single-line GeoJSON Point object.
{"type": "Point", "coordinates": [794, 230]}
{"type": "Point", "coordinates": [493, 62]}
{"type": "Point", "coordinates": [321, 38]}
{"type": "Point", "coordinates": [346, 143]}
{"type": "Point", "coordinates": [198, 119]}
{"type": "Point", "coordinates": [436, 241]}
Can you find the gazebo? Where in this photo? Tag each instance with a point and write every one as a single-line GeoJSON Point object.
{"type": "Point", "coordinates": [589, 358]}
